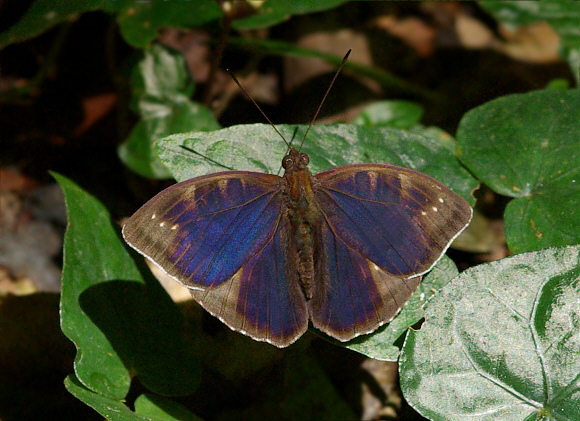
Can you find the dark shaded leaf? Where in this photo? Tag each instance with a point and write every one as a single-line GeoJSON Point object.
{"type": "Point", "coordinates": [526, 146]}
{"type": "Point", "coordinates": [120, 321]}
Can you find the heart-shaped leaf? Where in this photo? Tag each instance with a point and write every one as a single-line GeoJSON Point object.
{"type": "Point", "coordinates": [500, 342]}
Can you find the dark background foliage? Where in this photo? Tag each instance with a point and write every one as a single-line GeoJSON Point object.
{"type": "Point", "coordinates": [90, 90]}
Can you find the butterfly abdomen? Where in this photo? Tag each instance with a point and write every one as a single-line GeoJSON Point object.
{"type": "Point", "coordinates": [304, 216]}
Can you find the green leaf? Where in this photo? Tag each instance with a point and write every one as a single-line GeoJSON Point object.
{"type": "Point", "coordinates": [272, 12]}
{"type": "Point", "coordinates": [140, 21]}
{"type": "Point", "coordinates": [500, 342]}
{"type": "Point", "coordinates": [147, 407]}
{"type": "Point", "coordinates": [562, 15]}
{"type": "Point", "coordinates": [158, 408]}
{"type": "Point", "coordinates": [526, 146]}
{"type": "Point", "coordinates": [382, 345]}
{"type": "Point", "coordinates": [161, 91]}
{"type": "Point", "coordinates": [121, 321]}
{"type": "Point", "coordinates": [395, 114]}
{"type": "Point", "coordinates": [44, 14]}
{"type": "Point", "coordinates": [257, 147]}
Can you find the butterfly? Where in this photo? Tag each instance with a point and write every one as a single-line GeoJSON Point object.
{"type": "Point", "coordinates": [344, 249]}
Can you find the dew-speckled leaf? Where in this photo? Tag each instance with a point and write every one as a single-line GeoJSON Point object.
{"type": "Point", "coordinates": [500, 342]}
{"type": "Point", "coordinates": [118, 316]}
{"type": "Point", "coordinates": [382, 344]}
{"type": "Point", "coordinates": [395, 114]}
{"type": "Point", "coordinates": [257, 147]}
{"type": "Point", "coordinates": [146, 407]}
{"type": "Point", "coordinates": [44, 14]}
{"type": "Point", "coordinates": [271, 12]}
{"type": "Point", "coordinates": [161, 88]}
{"type": "Point", "coordinates": [562, 15]}
{"type": "Point", "coordinates": [527, 146]}
{"type": "Point", "coordinates": [141, 20]}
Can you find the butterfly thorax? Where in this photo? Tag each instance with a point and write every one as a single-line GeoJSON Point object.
{"type": "Point", "coordinates": [303, 216]}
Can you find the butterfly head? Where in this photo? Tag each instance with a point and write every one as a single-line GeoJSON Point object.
{"type": "Point", "coordinates": [295, 161]}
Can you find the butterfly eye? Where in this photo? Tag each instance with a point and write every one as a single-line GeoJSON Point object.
{"type": "Point", "coordinates": [304, 160]}
{"type": "Point", "coordinates": [287, 162]}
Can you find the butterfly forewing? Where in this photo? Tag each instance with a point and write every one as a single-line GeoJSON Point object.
{"type": "Point", "coordinates": [401, 220]}
{"type": "Point", "coordinates": [203, 230]}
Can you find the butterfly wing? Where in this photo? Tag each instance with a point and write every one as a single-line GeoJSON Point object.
{"type": "Point", "coordinates": [381, 228]}
{"type": "Point", "coordinates": [223, 236]}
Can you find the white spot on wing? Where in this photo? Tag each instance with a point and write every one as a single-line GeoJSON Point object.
{"type": "Point", "coordinates": [161, 224]}
{"type": "Point", "coordinates": [373, 176]}
{"type": "Point", "coordinates": [153, 216]}
{"type": "Point", "coordinates": [434, 208]}
{"type": "Point", "coordinates": [441, 200]}
{"type": "Point", "coordinates": [174, 227]}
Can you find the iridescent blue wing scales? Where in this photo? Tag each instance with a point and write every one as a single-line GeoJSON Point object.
{"type": "Point", "coordinates": [382, 227]}
{"type": "Point", "coordinates": [225, 237]}
{"type": "Point", "coordinates": [203, 230]}
{"type": "Point", "coordinates": [263, 299]}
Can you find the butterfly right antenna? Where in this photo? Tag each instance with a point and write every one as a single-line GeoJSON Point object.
{"type": "Point", "coordinates": [325, 95]}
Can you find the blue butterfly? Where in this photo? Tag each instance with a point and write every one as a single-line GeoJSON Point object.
{"type": "Point", "coordinates": [265, 254]}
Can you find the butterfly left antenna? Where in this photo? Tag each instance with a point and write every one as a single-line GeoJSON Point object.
{"type": "Point", "coordinates": [257, 106]}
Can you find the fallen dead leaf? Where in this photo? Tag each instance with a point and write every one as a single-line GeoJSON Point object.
{"type": "Point", "coordinates": [412, 31]}
{"type": "Point", "coordinates": [95, 108]}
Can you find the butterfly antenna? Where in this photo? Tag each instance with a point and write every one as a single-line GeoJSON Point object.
{"type": "Point", "coordinates": [325, 95]}
{"type": "Point", "coordinates": [257, 106]}
{"type": "Point", "coordinates": [207, 158]}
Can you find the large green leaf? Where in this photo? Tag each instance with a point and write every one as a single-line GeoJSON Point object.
{"type": "Point", "coordinates": [118, 316]}
{"type": "Point", "coordinates": [562, 15]}
{"type": "Point", "coordinates": [396, 114]}
{"type": "Point", "coordinates": [257, 147]}
{"type": "Point", "coordinates": [500, 342]}
{"type": "Point", "coordinates": [161, 91]}
{"type": "Point", "coordinates": [272, 12]}
{"type": "Point", "coordinates": [147, 408]}
{"type": "Point", "coordinates": [44, 14]}
{"type": "Point", "coordinates": [141, 20]}
{"type": "Point", "coordinates": [526, 146]}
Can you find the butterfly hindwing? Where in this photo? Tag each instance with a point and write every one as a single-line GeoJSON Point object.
{"type": "Point", "coordinates": [201, 231]}
{"type": "Point", "coordinates": [263, 299]}
{"type": "Point", "coordinates": [352, 295]}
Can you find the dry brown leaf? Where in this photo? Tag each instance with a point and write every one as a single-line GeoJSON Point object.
{"type": "Point", "coordinates": [412, 31]}
{"type": "Point", "coordinates": [536, 43]}
{"type": "Point", "coordinates": [95, 108]}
